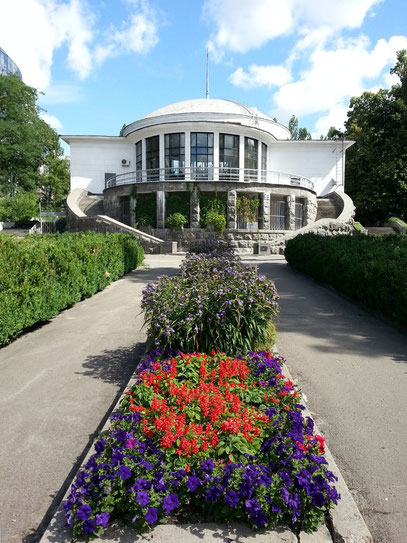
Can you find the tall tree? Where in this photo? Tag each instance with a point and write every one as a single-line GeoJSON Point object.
{"type": "Point", "coordinates": [25, 139]}
{"type": "Point", "coordinates": [296, 132]}
{"type": "Point", "coordinates": [376, 167]}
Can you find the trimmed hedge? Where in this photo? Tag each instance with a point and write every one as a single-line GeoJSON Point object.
{"type": "Point", "coordinates": [370, 269]}
{"type": "Point", "coordinates": [41, 275]}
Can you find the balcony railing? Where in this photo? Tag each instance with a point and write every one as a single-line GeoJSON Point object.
{"type": "Point", "coordinates": [236, 175]}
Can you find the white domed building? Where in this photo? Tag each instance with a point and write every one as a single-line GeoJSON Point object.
{"type": "Point", "coordinates": [185, 156]}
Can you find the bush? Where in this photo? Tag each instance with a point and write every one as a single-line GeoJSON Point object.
{"type": "Point", "coordinates": [176, 220]}
{"type": "Point", "coordinates": [224, 436]}
{"type": "Point", "coordinates": [214, 302]}
{"type": "Point", "coordinates": [216, 220]}
{"type": "Point", "coordinates": [41, 275]}
{"type": "Point", "coordinates": [20, 208]}
{"type": "Point", "coordinates": [371, 269]}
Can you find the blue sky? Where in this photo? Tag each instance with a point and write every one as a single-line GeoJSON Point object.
{"type": "Point", "coordinates": [102, 64]}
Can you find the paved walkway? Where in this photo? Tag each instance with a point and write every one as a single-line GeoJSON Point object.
{"type": "Point", "coordinates": [56, 384]}
{"type": "Point", "coordinates": [353, 369]}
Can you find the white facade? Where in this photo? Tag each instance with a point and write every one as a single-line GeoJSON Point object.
{"type": "Point", "coordinates": [93, 158]}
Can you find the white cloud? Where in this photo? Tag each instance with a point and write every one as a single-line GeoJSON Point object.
{"type": "Point", "coordinates": [260, 76]}
{"type": "Point", "coordinates": [53, 121]}
{"type": "Point", "coordinates": [61, 93]}
{"type": "Point", "coordinates": [242, 25]}
{"type": "Point", "coordinates": [336, 117]}
{"type": "Point", "coordinates": [33, 30]}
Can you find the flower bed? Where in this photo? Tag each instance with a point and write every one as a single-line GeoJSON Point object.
{"type": "Point", "coordinates": [214, 302]}
{"type": "Point", "coordinates": [225, 435]}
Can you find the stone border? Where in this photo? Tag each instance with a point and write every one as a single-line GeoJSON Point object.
{"type": "Point", "coordinates": [344, 524]}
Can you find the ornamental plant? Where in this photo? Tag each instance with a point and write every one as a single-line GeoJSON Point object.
{"type": "Point", "coordinates": [247, 208]}
{"type": "Point", "coordinates": [214, 302]}
{"type": "Point", "coordinates": [224, 435]}
{"type": "Point", "coordinates": [216, 219]}
{"type": "Point", "coordinates": [176, 220]}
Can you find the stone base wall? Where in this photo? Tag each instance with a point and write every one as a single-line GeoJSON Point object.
{"type": "Point", "coordinates": [242, 241]}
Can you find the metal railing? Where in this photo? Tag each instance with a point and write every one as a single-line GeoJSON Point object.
{"type": "Point", "coordinates": [210, 173]}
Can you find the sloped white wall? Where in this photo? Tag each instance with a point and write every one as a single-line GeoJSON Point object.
{"type": "Point", "coordinates": [91, 159]}
{"type": "Point", "coordinates": [319, 161]}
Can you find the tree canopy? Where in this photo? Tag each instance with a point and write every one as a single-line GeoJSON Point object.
{"type": "Point", "coordinates": [376, 167]}
{"type": "Point", "coordinates": [297, 133]}
{"type": "Point", "coordinates": [30, 153]}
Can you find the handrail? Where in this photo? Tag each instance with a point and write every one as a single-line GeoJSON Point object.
{"type": "Point", "coordinates": [209, 173]}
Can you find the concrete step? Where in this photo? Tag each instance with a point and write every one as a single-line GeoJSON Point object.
{"type": "Point", "coordinates": [326, 209]}
{"type": "Point", "coordinates": [380, 230]}
{"type": "Point", "coordinates": [91, 205]}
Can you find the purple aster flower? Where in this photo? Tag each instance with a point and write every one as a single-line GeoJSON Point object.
{"type": "Point", "coordinates": [89, 526]}
{"type": "Point", "coordinates": [170, 502]}
{"type": "Point", "coordinates": [232, 498]}
{"type": "Point", "coordinates": [151, 515]}
{"type": "Point", "coordinates": [124, 472]}
{"type": "Point", "coordinates": [143, 498]}
{"type": "Point", "coordinates": [102, 519]}
{"type": "Point", "coordinates": [83, 512]}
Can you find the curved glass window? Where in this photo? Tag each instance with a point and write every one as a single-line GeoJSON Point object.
{"type": "Point", "coordinates": [139, 159]}
{"type": "Point", "coordinates": [250, 158]}
{"type": "Point", "coordinates": [153, 158]}
{"type": "Point", "coordinates": [228, 156]}
{"type": "Point", "coordinates": [201, 155]}
{"type": "Point", "coordinates": [175, 156]}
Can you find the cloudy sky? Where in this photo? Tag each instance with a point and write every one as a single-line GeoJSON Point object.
{"type": "Point", "coordinates": [102, 64]}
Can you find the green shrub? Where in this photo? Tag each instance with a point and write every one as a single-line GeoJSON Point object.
{"type": "Point", "coordinates": [176, 220]}
{"type": "Point", "coordinates": [370, 269]}
{"type": "Point", "coordinates": [19, 208]}
{"type": "Point", "coordinates": [41, 275]}
{"type": "Point", "coordinates": [216, 220]}
{"type": "Point", "coordinates": [146, 209]}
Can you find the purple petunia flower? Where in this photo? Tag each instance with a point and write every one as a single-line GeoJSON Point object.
{"type": "Point", "coordinates": [83, 512]}
{"type": "Point", "coordinates": [170, 502]}
{"type": "Point", "coordinates": [124, 472]}
{"type": "Point", "coordinates": [151, 515]}
{"type": "Point", "coordinates": [193, 483]}
{"type": "Point", "coordinates": [207, 465]}
{"type": "Point", "coordinates": [143, 498]}
{"type": "Point", "coordinates": [232, 498]}
{"type": "Point", "coordinates": [89, 526]}
{"type": "Point", "coordinates": [102, 519]}
{"type": "Point", "coordinates": [100, 445]}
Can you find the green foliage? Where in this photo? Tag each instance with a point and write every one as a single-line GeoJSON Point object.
{"type": "Point", "coordinates": [54, 181]}
{"type": "Point", "coordinates": [376, 166]}
{"type": "Point", "coordinates": [41, 275]}
{"type": "Point", "coordinates": [176, 220]}
{"type": "Point", "coordinates": [399, 222]}
{"type": "Point", "coordinates": [211, 201]}
{"type": "Point", "coordinates": [25, 139]}
{"type": "Point", "coordinates": [215, 219]}
{"type": "Point", "coordinates": [178, 202]}
{"type": "Point", "coordinates": [19, 208]}
{"type": "Point", "coordinates": [358, 227]}
{"type": "Point", "coordinates": [247, 208]}
{"type": "Point", "coordinates": [146, 209]}
{"type": "Point", "coordinates": [296, 132]}
{"type": "Point", "coordinates": [371, 269]}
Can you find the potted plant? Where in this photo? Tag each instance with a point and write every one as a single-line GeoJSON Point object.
{"type": "Point", "coordinates": [176, 220]}
{"type": "Point", "coordinates": [247, 210]}
{"type": "Point", "coordinates": [216, 220]}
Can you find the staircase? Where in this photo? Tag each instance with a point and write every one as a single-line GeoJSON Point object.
{"type": "Point", "coordinates": [380, 230]}
{"type": "Point", "coordinates": [91, 205]}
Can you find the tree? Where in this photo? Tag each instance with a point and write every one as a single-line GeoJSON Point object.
{"type": "Point", "coordinates": [54, 181]}
{"type": "Point", "coordinates": [376, 167]}
{"type": "Point", "coordinates": [296, 132]}
{"type": "Point", "coordinates": [25, 139]}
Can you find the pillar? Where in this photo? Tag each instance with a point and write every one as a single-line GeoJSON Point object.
{"type": "Point", "coordinates": [194, 209]}
{"type": "Point", "coordinates": [291, 212]}
{"type": "Point", "coordinates": [265, 211]}
{"type": "Point", "coordinates": [160, 195]}
{"type": "Point", "coordinates": [232, 212]}
{"type": "Point", "coordinates": [132, 211]}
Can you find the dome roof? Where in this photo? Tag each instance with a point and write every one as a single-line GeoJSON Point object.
{"type": "Point", "coordinates": [206, 105]}
{"type": "Point", "coordinates": [210, 110]}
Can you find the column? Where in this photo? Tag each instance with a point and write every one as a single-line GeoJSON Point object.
{"type": "Point", "coordinates": [216, 156]}
{"type": "Point", "coordinates": [187, 155]}
{"type": "Point", "coordinates": [265, 202]}
{"type": "Point", "coordinates": [259, 153]}
{"type": "Point", "coordinates": [160, 195]}
{"type": "Point", "coordinates": [162, 157]}
{"type": "Point", "coordinates": [194, 209]}
{"type": "Point", "coordinates": [241, 158]}
{"type": "Point", "coordinates": [291, 212]}
{"type": "Point", "coordinates": [231, 210]}
{"type": "Point", "coordinates": [132, 211]}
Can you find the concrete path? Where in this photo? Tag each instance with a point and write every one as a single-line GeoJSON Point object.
{"type": "Point", "coordinates": [56, 385]}
{"type": "Point", "coordinates": [353, 369]}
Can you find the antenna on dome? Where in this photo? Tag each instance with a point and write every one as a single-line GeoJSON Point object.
{"type": "Point", "coordinates": [207, 73]}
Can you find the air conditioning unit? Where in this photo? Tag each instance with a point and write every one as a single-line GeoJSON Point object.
{"type": "Point", "coordinates": [125, 162]}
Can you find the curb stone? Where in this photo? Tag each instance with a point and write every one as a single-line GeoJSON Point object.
{"type": "Point", "coordinates": [346, 525]}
